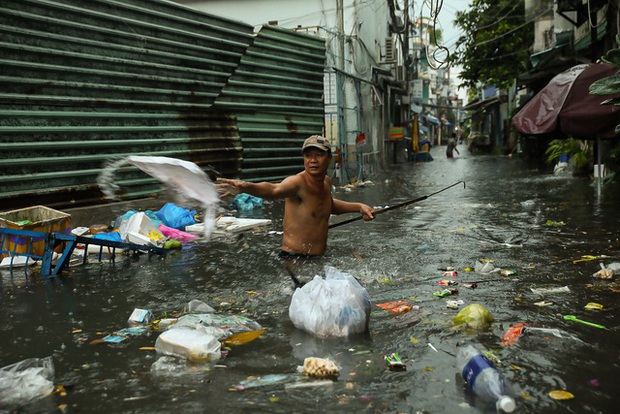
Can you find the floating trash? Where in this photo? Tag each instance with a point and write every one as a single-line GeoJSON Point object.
{"type": "Point", "coordinates": [593, 306]}
{"type": "Point", "coordinates": [561, 395]}
{"type": "Point", "coordinates": [544, 291]}
{"type": "Point", "coordinates": [320, 367]}
{"type": "Point", "coordinates": [397, 306]}
{"type": "Point", "coordinates": [605, 274]}
{"type": "Point", "coordinates": [475, 316]}
{"type": "Point", "coordinates": [454, 304]}
{"type": "Point", "coordinates": [394, 362]}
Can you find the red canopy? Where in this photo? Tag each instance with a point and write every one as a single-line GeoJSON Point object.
{"type": "Point", "coordinates": [565, 106]}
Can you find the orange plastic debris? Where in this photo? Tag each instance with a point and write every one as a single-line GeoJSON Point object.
{"type": "Point", "coordinates": [397, 306]}
{"type": "Point", "coordinates": [512, 334]}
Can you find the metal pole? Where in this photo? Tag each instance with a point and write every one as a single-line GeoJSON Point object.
{"type": "Point", "coordinates": [340, 23]}
{"type": "Point", "coordinates": [342, 130]}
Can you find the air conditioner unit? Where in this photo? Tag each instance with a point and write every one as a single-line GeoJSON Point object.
{"type": "Point", "coordinates": [389, 50]}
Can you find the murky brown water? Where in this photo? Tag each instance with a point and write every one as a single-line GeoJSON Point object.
{"type": "Point", "coordinates": [396, 256]}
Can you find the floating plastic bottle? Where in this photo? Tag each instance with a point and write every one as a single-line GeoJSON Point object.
{"type": "Point", "coordinates": [484, 379]}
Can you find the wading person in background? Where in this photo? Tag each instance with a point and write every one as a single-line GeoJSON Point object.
{"type": "Point", "coordinates": [452, 146]}
{"type": "Point", "coordinates": [308, 201]}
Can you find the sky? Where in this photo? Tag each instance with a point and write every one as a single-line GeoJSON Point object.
{"type": "Point", "coordinates": [447, 15]}
{"type": "Point", "coordinates": [451, 32]}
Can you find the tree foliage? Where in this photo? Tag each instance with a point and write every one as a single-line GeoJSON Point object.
{"type": "Point", "coordinates": [578, 151]}
{"type": "Point", "coordinates": [494, 48]}
{"type": "Point", "coordinates": [611, 84]}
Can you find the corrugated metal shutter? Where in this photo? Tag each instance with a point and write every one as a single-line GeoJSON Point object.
{"type": "Point", "coordinates": [85, 81]}
{"type": "Point", "coordinates": [279, 83]}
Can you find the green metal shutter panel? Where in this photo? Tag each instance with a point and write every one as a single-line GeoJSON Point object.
{"type": "Point", "coordinates": [84, 82]}
{"type": "Point", "coordinates": [280, 80]}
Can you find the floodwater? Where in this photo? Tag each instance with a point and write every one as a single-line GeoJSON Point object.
{"type": "Point", "coordinates": [560, 220]}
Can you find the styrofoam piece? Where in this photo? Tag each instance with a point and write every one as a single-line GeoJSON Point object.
{"type": "Point", "coordinates": [80, 231]}
{"type": "Point", "coordinates": [195, 228]}
{"type": "Point", "coordinates": [188, 343]}
{"type": "Point", "coordinates": [18, 261]}
{"type": "Point", "coordinates": [230, 225]}
{"type": "Point", "coordinates": [246, 224]}
{"type": "Point", "coordinates": [139, 223]}
{"type": "Point", "coordinates": [137, 238]}
{"type": "Point", "coordinates": [95, 249]}
{"type": "Point", "coordinates": [226, 221]}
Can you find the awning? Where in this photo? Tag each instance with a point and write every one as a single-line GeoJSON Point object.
{"type": "Point", "coordinates": [548, 63]}
{"type": "Point", "coordinates": [565, 107]}
{"type": "Point", "coordinates": [479, 105]}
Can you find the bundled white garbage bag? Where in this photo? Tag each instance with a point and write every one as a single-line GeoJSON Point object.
{"type": "Point", "coordinates": [337, 306]}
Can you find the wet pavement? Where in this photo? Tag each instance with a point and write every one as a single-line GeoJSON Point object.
{"type": "Point", "coordinates": [553, 231]}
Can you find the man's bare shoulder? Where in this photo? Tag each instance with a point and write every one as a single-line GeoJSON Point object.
{"type": "Point", "coordinates": [291, 186]}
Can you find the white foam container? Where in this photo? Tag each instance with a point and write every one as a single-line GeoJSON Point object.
{"type": "Point", "coordinates": [140, 239]}
{"type": "Point", "coordinates": [229, 225]}
{"type": "Point", "coordinates": [139, 224]}
{"type": "Point", "coordinates": [192, 344]}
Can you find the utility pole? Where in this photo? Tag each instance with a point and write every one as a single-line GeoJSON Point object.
{"type": "Point", "coordinates": [340, 23]}
{"type": "Point", "coordinates": [341, 96]}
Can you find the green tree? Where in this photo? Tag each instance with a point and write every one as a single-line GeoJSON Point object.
{"type": "Point", "coordinates": [494, 47]}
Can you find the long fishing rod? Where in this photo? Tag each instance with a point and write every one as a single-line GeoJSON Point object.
{"type": "Point", "coordinates": [395, 206]}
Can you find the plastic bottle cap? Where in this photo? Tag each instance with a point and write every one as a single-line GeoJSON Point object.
{"type": "Point", "coordinates": [507, 404]}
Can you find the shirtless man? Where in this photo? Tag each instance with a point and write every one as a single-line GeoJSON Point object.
{"type": "Point", "coordinates": [308, 201]}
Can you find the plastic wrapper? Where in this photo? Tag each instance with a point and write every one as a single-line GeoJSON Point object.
{"type": "Point", "coordinates": [176, 234]}
{"type": "Point", "coordinates": [198, 306]}
{"type": "Point", "coordinates": [485, 268]}
{"type": "Point", "coordinates": [222, 326]}
{"type": "Point", "coordinates": [25, 381]}
{"type": "Point", "coordinates": [337, 306]}
{"type": "Point", "coordinates": [397, 306]}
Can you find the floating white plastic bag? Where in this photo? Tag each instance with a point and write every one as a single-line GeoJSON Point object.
{"type": "Point", "coordinates": [25, 381]}
{"type": "Point", "coordinates": [337, 306]}
{"type": "Point", "coordinates": [484, 268]}
{"type": "Point", "coordinates": [186, 179]}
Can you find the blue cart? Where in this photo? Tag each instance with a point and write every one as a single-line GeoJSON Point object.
{"type": "Point", "coordinates": [69, 243]}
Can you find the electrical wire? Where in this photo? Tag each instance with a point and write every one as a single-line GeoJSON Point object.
{"type": "Point", "coordinates": [435, 7]}
{"type": "Point", "coordinates": [510, 31]}
{"type": "Point", "coordinates": [498, 57]}
{"type": "Point", "coordinates": [505, 16]}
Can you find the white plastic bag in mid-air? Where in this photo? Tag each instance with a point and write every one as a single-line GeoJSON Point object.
{"type": "Point", "coordinates": [186, 179]}
{"type": "Point", "coordinates": [337, 306]}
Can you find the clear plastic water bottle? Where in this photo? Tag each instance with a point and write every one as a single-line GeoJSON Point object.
{"type": "Point", "coordinates": [483, 378]}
